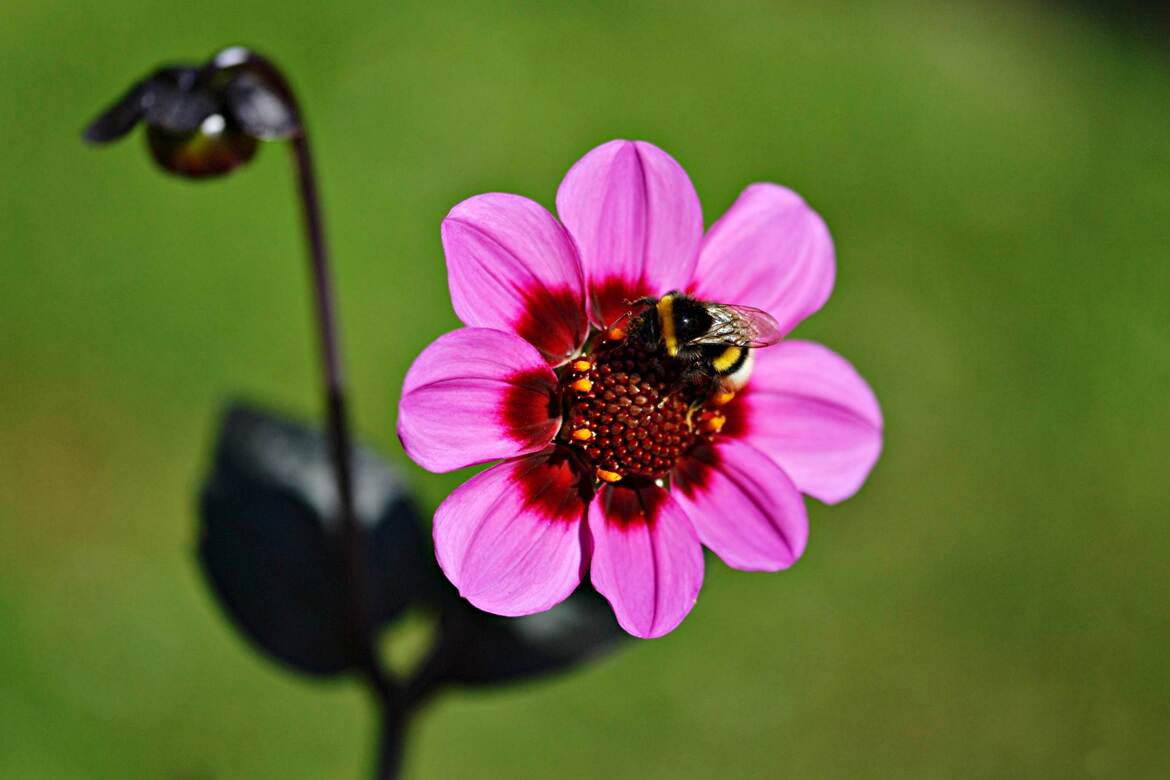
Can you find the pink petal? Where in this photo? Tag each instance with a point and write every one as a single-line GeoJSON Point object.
{"type": "Point", "coordinates": [812, 413]}
{"type": "Point", "coordinates": [745, 508]}
{"type": "Point", "coordinates": [475, 395]}
{"type": "Point", "coordinates": [511, 266]}
{"type": "Point", "coordinates": [637, 222]}
{"type": "Point", "coordinates": [510, 537]}
{"type": "Point", "coordinates": [647, 559]}
{"type": "Point", "coordinates": [771, 251]}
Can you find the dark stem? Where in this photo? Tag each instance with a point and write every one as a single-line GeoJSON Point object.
{"type": "Point", "coordinates": [387, 695]}
{"type": "Point", "coordinates": [393, 720]}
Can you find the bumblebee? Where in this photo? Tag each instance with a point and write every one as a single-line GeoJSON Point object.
{"type": "Point", "coordinates": [713, 341]}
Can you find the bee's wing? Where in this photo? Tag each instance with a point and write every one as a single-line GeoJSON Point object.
{"type": "Point", "coordinates": [765, 331]}
{"type": "Point", "coordinates": [741, 326]}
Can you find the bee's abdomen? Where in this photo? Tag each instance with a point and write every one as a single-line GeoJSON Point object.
{"type": "Point", "coordinates": [733, 364]}
{"type": "Point", "coordinates": [727, 359]}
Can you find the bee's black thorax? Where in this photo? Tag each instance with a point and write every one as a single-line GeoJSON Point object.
{"type": "Point", "coordinates": [691, 319]}
{"type": "Point", "coordinates": [672, 324]}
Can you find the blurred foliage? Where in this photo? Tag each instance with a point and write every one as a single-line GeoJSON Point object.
{"type": "Point", "coordinates": [997, 177]}
{"type": "Point", "coordinates": [271, 545]}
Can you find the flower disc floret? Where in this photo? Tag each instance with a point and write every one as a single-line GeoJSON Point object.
{"type": "Point", "coordinates": [638, 417]}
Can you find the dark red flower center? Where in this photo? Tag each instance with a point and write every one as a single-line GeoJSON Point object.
{"type": "Point", "coordinates": [634, 413]}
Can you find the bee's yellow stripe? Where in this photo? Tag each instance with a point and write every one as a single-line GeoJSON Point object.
{"type": "Point", "coordinates": [726, 359]}
{"type": "Point", "coordinates": [666, 322]}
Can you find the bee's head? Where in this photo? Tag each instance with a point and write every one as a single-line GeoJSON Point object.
{"type": "Point", "coordinates": [644, 330]}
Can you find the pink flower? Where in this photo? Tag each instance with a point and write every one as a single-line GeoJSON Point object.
{"type": "Point", "coordinates": [606, 467]}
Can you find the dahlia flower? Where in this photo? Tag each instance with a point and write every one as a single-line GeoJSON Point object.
{"type": "Point", "coordinates": [608, 465]}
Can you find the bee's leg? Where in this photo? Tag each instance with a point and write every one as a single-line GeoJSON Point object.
{"type": "Point", "coordinates": [697, 383]}
{"type": "Point", "coordinates": [706, 388]}
{"type": "Point", "coordinates": [705, 385]}
{"type": "Point", "coordinates": [614, 331]}
{"type": "Point", "coordinates": [618, 321]}
{"type": "Point", "coordinates": [645, 300]}
{"type": "Point", "coordinates": [685, 383]}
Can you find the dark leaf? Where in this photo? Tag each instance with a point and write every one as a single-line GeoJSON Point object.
{"type": "Point", "coordinates": [483, 649]}
{"type": "Point", "coordinates": [259, 108]}
{"type": "Point", "coordinates": [270, 544]}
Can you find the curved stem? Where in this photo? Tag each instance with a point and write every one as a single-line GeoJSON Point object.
{"type": "Point", "coordinates": [386, 692]}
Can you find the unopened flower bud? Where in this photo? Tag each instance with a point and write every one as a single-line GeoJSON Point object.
{"type": "Point", "coordinates": [205, 121]}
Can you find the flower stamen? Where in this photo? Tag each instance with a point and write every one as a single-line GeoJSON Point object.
{"type": "Point", "coordinates": [631, 411]}
{"type": "Point", "coordinates": [712, 422]}
{"type": "Point", "coordinates": [722, 397]}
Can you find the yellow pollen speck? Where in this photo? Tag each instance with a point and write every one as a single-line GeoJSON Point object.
{"type": "Point", "coordinates": [615, 334]}
{"type": "Point", "coordinates": [722, 398]}
{"type": "Point", "coordinates": [582, 365]}
{"type": "Point", "coordinates": [608, 476]}
{"type": "Point", "coordinates": [714, 423]}
{"type": "Point", "coordinates": [582, 385]}
{"type": "Point", "coordinates": [582, 434]}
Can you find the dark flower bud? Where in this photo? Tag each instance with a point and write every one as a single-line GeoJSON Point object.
{"type": "Point", "coordinates": [205, 121]}
{"type": "Point", "coordinates": [213, 149]}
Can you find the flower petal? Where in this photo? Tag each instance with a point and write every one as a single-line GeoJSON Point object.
{"type": "Point", "coordinates": [637, 222]}
{"type": "Point", "coordinates": [744, 507]}
{"type": "Point", "coordinates": [510, 537]}
{"type": "Point", "coordinates": [771, 251]}
{"type": "Point", "coordinates": [812, 413]}
{"type": "Point", "coordinates": [475, 395]}
{"type": "Point", "coordinates": [647, 559]}
{"type": "Point", "coordinates": [511, 266]}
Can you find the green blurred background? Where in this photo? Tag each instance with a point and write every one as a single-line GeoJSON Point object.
{"type": "Point", "coordinates": [997, 178]}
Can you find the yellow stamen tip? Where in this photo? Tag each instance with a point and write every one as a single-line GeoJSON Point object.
{"type": "Point", "coordinates": [723, 397]}
{"type": "Point", "coordinates": [615, 334]}
{"type": "Point", "coordinates": [582, 434]}
{"type": "Point", "coordinates": [608, 476]}
{"type": "Point", "coordinates": [582, 385]}
{"type": "Point", "coordinates": [582, 365]}
{"type": "Point", "coordinates": [714, 423]}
